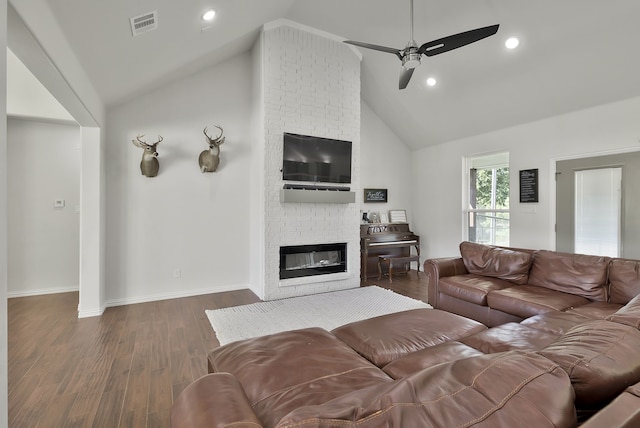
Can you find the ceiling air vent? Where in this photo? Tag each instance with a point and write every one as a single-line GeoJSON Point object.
{"type": "Point", "coordinates": [144, 23]}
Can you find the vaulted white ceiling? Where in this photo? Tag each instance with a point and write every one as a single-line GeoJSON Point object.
{"type": "Point", "coordinates": [573, 54]}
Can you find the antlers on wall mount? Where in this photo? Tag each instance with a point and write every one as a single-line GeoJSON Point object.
{"type": "Point", "coordinates": [210, 159]}
{"type": "Point", "coordinates": [149, 165]}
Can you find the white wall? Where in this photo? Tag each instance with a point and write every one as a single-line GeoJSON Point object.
{"type": "Point", "coordinates": [44, 166]}
{"type": "Point", "coordinates": [201, 223]}
{"type": "Point", "coordinates": [181, 219]}
{"type": "Point", "coordinates": [257, 197]}
{"type": "Point", "coordinates": [438, 172]}
{"type": "Point", "coordinates": [385, 162]}
{"type": "Point", "coordinates": [3, 219]}
{"type": "Point", "coordinates": [26, 96]}
{"type": "Point", "coordinates": [39, 42]}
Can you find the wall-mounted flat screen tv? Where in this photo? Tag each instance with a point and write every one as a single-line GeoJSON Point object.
{"type": "Point", "coordinates": [316, 159]}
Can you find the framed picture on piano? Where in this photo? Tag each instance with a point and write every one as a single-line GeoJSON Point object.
{"type": "Point", "coordinates": [398, 216]}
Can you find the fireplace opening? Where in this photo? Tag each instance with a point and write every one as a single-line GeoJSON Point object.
{"type": "Point", "coordinates": [307, 260]}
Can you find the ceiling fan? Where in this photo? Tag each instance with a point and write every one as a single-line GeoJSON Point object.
{"type": "Point", "coordinates": [411, 54]}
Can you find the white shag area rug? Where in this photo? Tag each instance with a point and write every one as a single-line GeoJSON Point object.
{"type": "Point", "coordinates": [326, 310]}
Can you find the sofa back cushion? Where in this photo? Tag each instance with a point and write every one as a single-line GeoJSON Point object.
{"type": "Point", "coordinates": [498, 390]}
{"type": "Point", "coordinates": [629, 314]}
{"type": "Point", "coordinates": [601, 359]}
{"type": "Point", "coordinates": [577, 274]}
{"type": "Point", "coordinates": [624, 280]}
{"type": "Point", "coordinates": [503, 263]}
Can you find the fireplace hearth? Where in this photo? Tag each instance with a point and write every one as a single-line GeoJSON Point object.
{"type": "Point", "coordinates": [309, 260]}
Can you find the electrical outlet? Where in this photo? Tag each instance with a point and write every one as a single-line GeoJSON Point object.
{"type": "Point", "coordinates": [177, 273]}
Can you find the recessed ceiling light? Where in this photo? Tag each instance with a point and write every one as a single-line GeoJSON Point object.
{"type": "Point", "coordinates": [431, 81]}
{"type": "Point", "coordinates": [512, 43]}
{"type": "Point", "coordinates": [209, 15]}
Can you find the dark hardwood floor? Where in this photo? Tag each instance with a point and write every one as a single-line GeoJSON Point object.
{"type": "Point", "coordinates": [122, 369]}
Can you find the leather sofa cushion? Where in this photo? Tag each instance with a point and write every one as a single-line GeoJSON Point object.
{"type": "Point", "coordinates": [624, 280]}
{"type": "Point", "coordinates": [596, 310]}
{"type": "Point", "coordinates": [554, 322]}
{"type": "Point", "coordinates": [388, 337]}
{"type": "Point", "coordinates": [471, 288]}
{"type": "Point", "coordinates": [601, 358]}
{"type": "Point", "coordinates": [577, 274]}
{"type": "Point", "coordinates": [510, 336]}
{"type": "Point", "coordinates": [528, 300]}
{"type": "Point", "coordinates": [499, 390]}
{"type": "Point", "coordinates": [416, 361]}
{"type": "Point", "coordinates": [486, 260]}
{"type": "Point", "coordinates": [629, 314]}
{"type": "Point", "coordinates": [287, 370]}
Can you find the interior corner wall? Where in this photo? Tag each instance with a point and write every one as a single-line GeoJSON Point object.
{"type": "Point", "coordinates": [256, 260]}
{"type": "Point", "coordinates": [439, 176]}
{"type": "Point", "coordinates": [183, 232]}
{"type": "Point", "coordinates": [43, 239]}
{"type": "Point", "coordinates": [4, 394]}
{"type": "Point", "coordinates": [385, 162]}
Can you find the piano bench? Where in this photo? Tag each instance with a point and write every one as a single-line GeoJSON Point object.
{"type": "Point", "coordinates": [397, 261]}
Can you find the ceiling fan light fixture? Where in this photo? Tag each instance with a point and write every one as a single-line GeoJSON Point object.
{"type": "Point", "coordinates": [431, 81]}
{"type": "Point", "coordinates": [512, 43]}
{"type": "Point", "coordinates": [209, 15]}
{"type": "Point", "coordinates": [411, 60]}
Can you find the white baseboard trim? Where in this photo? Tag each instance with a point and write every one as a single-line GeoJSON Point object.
{"type": "Point", "coordinates": [41, 292]}
{"type": "Point", "coordinates": [174, 295]}
{"type": "Point", "coordinates": [90, 313]}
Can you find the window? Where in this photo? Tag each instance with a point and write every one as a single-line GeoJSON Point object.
{"type": "Point", "coordinates": [487, 209]}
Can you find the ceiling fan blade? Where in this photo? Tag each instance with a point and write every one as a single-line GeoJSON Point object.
{"type": "Point", "coordinates": [456, 41]}
{"type": "Point", "coordinates": [405, 76]}
{"type": "Point", "coordinates": [396, 52]}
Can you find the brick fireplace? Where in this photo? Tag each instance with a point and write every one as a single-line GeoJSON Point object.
{"type": "Point", "coordinates": [308, 83]}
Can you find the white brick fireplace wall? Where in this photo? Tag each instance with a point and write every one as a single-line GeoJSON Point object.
{"type": "Point", "coordinates": [310, 85]}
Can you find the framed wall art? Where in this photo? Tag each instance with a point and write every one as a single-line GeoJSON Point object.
{"type": "Point", "coordinates": [375, 195]}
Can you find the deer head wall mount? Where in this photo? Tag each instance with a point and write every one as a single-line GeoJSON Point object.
{"type": "Point", "coordinates": [149, 165]}
{"type": "Point", "coordinates": [210, 159]}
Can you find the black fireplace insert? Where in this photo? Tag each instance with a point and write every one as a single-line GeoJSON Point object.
{"type": "Point", "coordinates": [308, 260]}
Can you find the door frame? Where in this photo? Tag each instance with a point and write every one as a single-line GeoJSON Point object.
{"type": "Point", "coordinates": [552, 183]}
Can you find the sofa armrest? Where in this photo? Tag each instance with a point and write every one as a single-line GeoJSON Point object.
{"type": "Point", "coordinates": [440, 268]}
{"type": "Point", "coordinates": [201, 404]}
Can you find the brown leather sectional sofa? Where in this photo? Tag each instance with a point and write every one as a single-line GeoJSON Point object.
{"type": "Point", "coordinates": [433, 368]}
{"type": "Point", "coordinates": [497, 285]}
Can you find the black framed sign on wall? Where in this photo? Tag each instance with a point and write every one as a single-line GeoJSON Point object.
{"type": "Point", "coordinates": [529, 185]}
{"type": "Point", "coordinates": [375, 195]}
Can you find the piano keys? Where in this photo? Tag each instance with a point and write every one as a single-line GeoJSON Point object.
{"type": "Point", "coordinates": [384, 238]}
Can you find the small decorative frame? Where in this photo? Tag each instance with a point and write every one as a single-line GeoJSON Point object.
{"type": "Point", "coordinates": [374, 217]}
{"type": "Point", "coordinates": [398, 216]}
{"type": "Point", "coordinates": [384, 218]}
{"type": "Point", "coordinates": [375, 195]}
{"type": "Point", "coordinates": [528, 185]}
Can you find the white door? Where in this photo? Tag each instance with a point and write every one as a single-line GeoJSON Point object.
{"type": "Point", "coordinates": [598, 207]}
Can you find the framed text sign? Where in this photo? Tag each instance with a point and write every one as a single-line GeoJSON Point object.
{"type": "Point", "coordinates": [529, 185]}
{"type": "Point", "coordinates": [375, 195]}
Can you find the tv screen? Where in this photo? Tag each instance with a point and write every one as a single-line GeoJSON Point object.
{"type": "Point", "coordinates": [316, 159]}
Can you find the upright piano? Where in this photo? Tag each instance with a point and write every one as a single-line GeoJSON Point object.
{"type": "Point", "coordinates": [384, 238]}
